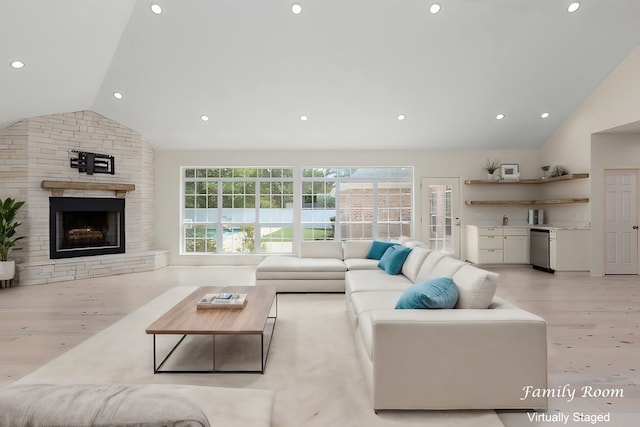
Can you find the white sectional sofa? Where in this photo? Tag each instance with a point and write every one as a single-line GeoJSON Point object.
{"type": "Point", "coordinates": [479, 355]}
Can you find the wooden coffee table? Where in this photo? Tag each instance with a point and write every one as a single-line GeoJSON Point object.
{"type": "Point", "coordinates": [185, 319]}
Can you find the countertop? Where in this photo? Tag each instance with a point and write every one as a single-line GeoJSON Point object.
{"type": "Point", "coordinates": [537, 226]}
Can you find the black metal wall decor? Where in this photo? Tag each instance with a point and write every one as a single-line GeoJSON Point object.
{"type": "Point", "coordinates": [93, 163]}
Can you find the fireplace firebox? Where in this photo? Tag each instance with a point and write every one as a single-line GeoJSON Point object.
{"type": "Point", "coordinates": [85, 226]}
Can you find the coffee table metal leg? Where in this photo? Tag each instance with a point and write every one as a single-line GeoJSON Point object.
{"type": "Point", "coordinates": [156, 369]}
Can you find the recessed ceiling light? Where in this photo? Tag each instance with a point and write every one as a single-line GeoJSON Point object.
{"type": "Point", "coordinates": [17, 64]}
{"type": "Point", "coordinates": [401, 117]}
{"type": "Point", "coordinates": [500, 116]}
{"type": "Point", "coordinates": [117, 95]}
{"type": "Point", "coordinates": [573, 7]}
{"type": "Point", "coordinates": [204, 118]}
{"type": "Point", "coordinates": [296, 8]}
{"type": "Point", "coordinates": [304, 118]}
{"type": "Point", "coordinates": [435, 8]}
{"type": "Point", "coordinates": [544, 115]}
{"type": "Point", "coordinates": [155, 8]}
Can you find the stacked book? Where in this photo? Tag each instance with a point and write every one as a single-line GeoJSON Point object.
{"type": "Point", "coordinates": [222, 300]}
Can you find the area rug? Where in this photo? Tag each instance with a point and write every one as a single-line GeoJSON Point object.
{"type": "Point", "coordinates": [312, 366]}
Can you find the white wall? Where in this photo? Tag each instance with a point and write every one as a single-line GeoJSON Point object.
{"type": "Point", "coordinates": [614, 103]}
{"type": "Point", "coordinates": [464, 164]}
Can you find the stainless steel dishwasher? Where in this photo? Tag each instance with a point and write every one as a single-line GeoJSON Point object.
{"type": "Point", "coordinates": [539, 249]}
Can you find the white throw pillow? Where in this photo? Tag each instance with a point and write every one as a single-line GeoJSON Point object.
{"type": "Point", "coordinates": [414, 261]}
{"type": "Point", "coordinates": [446, 267]}
{"type": "Point", "coordinates": [476, 287]}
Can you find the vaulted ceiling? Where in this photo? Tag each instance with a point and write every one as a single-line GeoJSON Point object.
{"type": "Point", "coordinates": [351, 67]}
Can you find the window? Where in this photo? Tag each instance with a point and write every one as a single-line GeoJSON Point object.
{"type": "Point", "coordinates": [237, 210]}
{"type": "Point", "coordinates": [356, 203]}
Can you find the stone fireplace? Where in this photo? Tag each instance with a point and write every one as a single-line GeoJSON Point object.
{"type": "Point", "coordinates": [35, 167]}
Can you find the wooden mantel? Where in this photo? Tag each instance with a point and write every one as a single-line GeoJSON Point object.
{"type": "Point", "coordinates": [57, 187]}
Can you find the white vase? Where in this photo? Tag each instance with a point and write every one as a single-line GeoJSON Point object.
{"type": "Point", "coordinates": [7, 270]}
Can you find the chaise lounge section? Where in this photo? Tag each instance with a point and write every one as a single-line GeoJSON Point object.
{"type": "Point", "coordinates": [320, 266]}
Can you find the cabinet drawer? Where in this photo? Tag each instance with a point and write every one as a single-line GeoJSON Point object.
{"type": "Point", "coordinates": [489, 231]}
{"type": "Point", "coordinates": [490, 256]}
{"type": "Point", "coordinates": [516, 231]}
{"type": "Point", "coordinates": [490, 242]}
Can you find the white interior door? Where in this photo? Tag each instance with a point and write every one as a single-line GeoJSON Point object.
{"type": "Point", "coordinates": [441, 214]}
{"type": "Point", "coordinates": [621, 218]}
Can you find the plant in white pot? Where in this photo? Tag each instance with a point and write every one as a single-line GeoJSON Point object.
{"type": "Point", "coordinates": [490, 167]}
{"type": "Point", "coordinates": [8, 209]}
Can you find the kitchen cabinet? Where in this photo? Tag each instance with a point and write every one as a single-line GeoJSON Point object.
{"type": "Point", "coordinates": [516, 245]}
{"type": "Point", "coordinates": [569, 250]}
{"type": "Point", "coordinates": [497, 245]}
{"type": "Point", "coordinates": [484, 245]}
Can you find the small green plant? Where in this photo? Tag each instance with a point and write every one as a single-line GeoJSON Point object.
{"type": "Point", "coordinates": [491, 166]}
{"type": "Point", "coordinates": [8, 209]}
{"type": "Point", "coordinates": [559, 171]}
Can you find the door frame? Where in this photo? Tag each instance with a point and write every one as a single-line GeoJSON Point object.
{"type": "Point", "coordinates": [454, 182]}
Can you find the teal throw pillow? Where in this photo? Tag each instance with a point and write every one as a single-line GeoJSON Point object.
{"type": "Point", "coordinates": [393, 259]}
{"type": "Point", "coordinates": [378, 249]}
{"type": "Point", "coordinates": [434, 293]}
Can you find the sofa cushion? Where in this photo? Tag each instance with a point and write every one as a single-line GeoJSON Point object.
{"type": "Point", "coordinates": [378, 248]}
{"type": "Point", "coordinates": [394, 258]}
{"type": "Point", "coordinates": [429, 263]}
{"type": "Point", "coordinates": [96, 405]}
{"type": "Point", "coordinates": [361, 264]}
{"type": "Point", "coordinates": [276, 263]}
{"type": "Point", "coordinates": [356, 248]}
{"type": "Point", "coordinates": [321, 249]}
{"type": "Point", "coordinates": [476, 287]}
{"type": "Point", "coordinates": [411, 243]}
{"type": "Point", "coordinates": [278, 267]}
{"type": "Point", "coordinates": [430, 294]}
{"type": "Point", "coordinates": [446, 267]}
{"type": "Point", "coordinates": [374, 280]}
{"type": "Point", "coordinates": [414, 261]}
{"type": "Point", "coordinates": [368, 301]}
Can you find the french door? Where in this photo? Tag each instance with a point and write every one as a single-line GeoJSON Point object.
{"type": "Point", "coordinates": [441, 214]}
{"type": "Point", "coordinates": [621, 221]}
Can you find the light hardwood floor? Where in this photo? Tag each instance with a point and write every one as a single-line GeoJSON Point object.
{"type": "Point", "coordinates": [593, 326]}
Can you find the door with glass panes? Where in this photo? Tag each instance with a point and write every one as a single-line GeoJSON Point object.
{"type": "Point", "coordinates": [440, 214]}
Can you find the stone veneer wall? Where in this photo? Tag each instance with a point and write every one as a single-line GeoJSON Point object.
{"type": "Point", "coordinates": [38, 149]}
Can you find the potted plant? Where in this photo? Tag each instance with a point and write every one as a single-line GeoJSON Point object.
{"type": "Point", "coordinates": [8, 224]}
{"type": "Point", "coordinates": [491, 166]}
{"type": "Point", "coordinates": [545, 171]}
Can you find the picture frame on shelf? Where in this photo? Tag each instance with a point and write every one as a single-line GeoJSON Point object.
{"type": "Point", "coordinates": [509, 172]}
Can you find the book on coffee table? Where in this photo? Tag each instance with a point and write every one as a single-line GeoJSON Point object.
{"type": "Point", "coordinates": [222, 300]}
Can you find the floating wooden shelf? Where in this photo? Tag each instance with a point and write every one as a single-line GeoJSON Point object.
{"type": "Point", "coordinates": [57, 187]}
{"type": "Point", "coordinates": [525, 202]}
{"type": "Point", "coordinates": [568, 177]}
